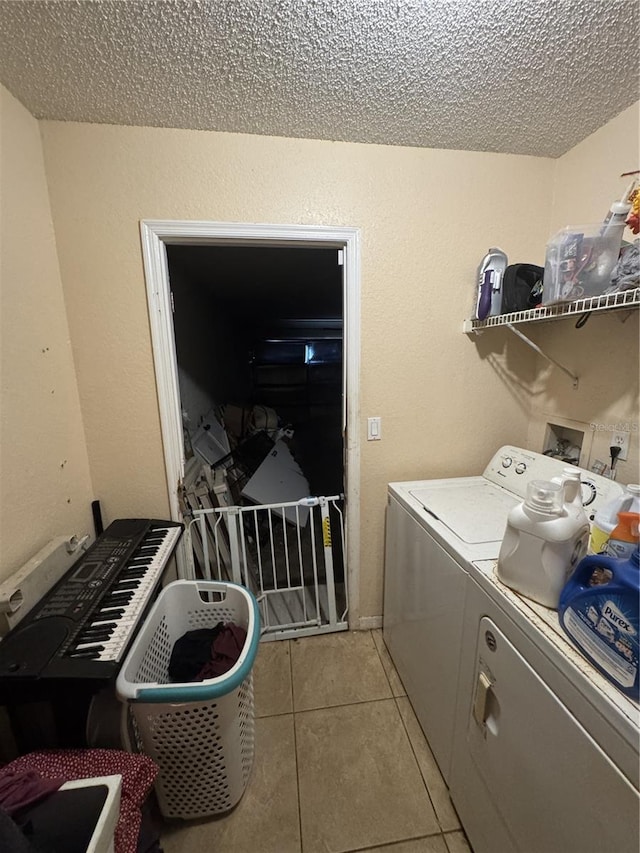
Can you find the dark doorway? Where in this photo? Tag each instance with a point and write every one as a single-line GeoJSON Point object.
{"type": "Point", "coordinates": [259, 326]}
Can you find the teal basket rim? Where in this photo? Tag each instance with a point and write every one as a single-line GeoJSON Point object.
{"type": "Point", "coordinates": [211, 688]}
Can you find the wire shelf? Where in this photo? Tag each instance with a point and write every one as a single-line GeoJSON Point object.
{"type": "Point", "coordinates": [624, 299]}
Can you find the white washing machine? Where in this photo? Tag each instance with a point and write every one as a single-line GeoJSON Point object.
{"type": "Point", "coordinates": [435, 531]}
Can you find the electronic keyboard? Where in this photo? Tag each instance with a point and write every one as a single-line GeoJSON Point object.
{"type": "Point", "coordinates": [84, 625]}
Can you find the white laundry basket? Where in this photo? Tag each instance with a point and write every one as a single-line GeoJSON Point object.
{"type": "Point", "coordinates": [200, 734]}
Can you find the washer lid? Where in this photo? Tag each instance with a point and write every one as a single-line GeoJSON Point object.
{"type": "Point", "coordinates": [474, 512]}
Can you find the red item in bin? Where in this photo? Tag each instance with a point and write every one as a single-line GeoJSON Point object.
{"type": "Point", "coordinates": [138, 775]}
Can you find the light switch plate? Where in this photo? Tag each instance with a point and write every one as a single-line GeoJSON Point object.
{"type": "Point", "coordinates": [374, 429]}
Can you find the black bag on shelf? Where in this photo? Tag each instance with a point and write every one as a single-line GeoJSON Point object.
{"type": "Point", "coordinates": [521, 288]}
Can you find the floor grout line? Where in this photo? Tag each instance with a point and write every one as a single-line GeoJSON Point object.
{"type": "Point", "coordinates": [295, 748]}
{"type": "Point", "coordinates": [390, 844]}
{"type": "Point", "coordinates": [328, 707]}
{"type": "Point", "coordinates": [415, 756]}
{"type": "Point", "coordinates": [386, 674]}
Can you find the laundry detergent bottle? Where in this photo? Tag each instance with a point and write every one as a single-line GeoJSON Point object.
{"type": "Point", "coordinates": [599, 611]}
{"type": "Point", "coordinates": [624, 536]}
{"type": "Point", "coordinates": [543, 542]}
{"type": "Point", "coordinates": [606, 518]}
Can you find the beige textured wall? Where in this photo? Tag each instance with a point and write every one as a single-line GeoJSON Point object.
{"type": "Point", "coordinates": [605, 353]}
{"type": "Point", "coordinates": [45, 489]}
{"type": "Point", "coordinates": [426, 216]}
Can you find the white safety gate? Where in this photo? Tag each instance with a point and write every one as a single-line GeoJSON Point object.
{"type": "Point", "coordinates": [290, 555]}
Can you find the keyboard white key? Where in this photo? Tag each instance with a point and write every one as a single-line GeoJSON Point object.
{"type": "Point", "coordinates": [123, 617]}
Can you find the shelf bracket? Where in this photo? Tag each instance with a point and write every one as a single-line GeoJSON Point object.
{"type": "Point", "coordinates": [543, 354]}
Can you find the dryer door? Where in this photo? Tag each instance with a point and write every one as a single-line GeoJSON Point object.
{"type": "Point", "coordinates": [551, 785]}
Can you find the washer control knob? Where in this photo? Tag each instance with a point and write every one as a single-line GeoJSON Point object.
{"type": "Point", "coordinates": [521, 467]}
{"type": "Point", "coordinates": [589, 492]}
{"type": "Point", "coordinates": [506, 461]}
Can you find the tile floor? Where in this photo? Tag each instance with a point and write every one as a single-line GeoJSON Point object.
{"type": "Point", "coordinates": [341, 763]}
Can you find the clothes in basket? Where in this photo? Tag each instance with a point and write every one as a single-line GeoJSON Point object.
{"type": "Point", "coordinates": [206, 652]}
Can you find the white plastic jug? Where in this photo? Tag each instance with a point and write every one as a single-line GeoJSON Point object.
{"type": "Point", "coordinates": [543, 543]}
{"type": "Point", "coordinates": [571, 482]}
{"type": "Point", "coordinates": [606, 518]}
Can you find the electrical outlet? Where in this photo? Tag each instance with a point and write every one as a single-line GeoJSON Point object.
{"type": "Point", "coordinates": [621, 439]}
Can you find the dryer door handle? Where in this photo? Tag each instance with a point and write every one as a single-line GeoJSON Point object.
{"type": "Point", "coordinates": [481, 699]}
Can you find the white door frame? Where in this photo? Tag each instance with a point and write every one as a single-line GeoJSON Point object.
{"type": "Point", "coordinates": [156, 235]}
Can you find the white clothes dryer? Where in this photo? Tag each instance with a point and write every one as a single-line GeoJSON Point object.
{"type": "Point", "coordinates": [545, 754]}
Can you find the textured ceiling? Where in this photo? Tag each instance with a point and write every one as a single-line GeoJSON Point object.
{"type": "Point", "coordinates": [520, 76]}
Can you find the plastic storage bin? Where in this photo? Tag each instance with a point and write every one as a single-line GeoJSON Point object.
{"type": "Point", "coordinates": [580, 260]}
{"type": "Point", "coordinates": [200, 734]}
